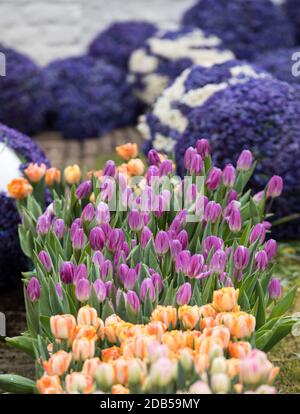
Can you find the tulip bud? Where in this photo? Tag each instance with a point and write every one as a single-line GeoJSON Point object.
{"type": "Point", "coordinates": [175, 247]}
{"type": "Point", "coordinates": [98, 258]}
{"type": "Point", "coordinates": [88, 212]}
{"type": "Point", "coordinates": [153, 158]}
{"type": "Point", "coordinates": [186, 360]}
{"type": "Point", "coordinates": [67, 272]}
{"type": "Point", "coordinates": [59, 291]}
{"type": "Point", "coordinates": [110, 169]}
{"type": "Point", "coordinates": [104, 375]}
{"type": "Point", "coordinates": [220, 383]}
{"type": "Point", "coordinates": [189, 154]}
{"type": "Point", "coordinates": [212, 212]}
{"type": "Point", "coordinates": [59, 228]}
{"type": "Point", "coordinates": [241, 257]}
{"type": "Point", "coordinates": [84, 190]}
{"type": "Point", "coordinates": [214, 178]}
{"type": "Point", "coordinates": [161, 243]}
{"type": "Point", "coordinates": [258, 232]}
{"type": "Point", "coordinates": [162, 372]}
{"type": "Point", "coordinates": [102, 213]}
{"type": "Point", "coordinates": [80, 272]}
{"type": "Point", "coordinates": [34, 289]}
{"type": "Point", "coordinates": [275, 290]}
{"type": "Point", "coordinates": [83, 290]}
{"type": "Point", "coordinates": [78, 239]}
{"type": "Point", "coordinates": [203, 148]}
{"type": "Point", "coordinates": [271, 248]}
{"type": "Point", "coordinates": [182, 261]}
{"type": "Point", "coordinates": [275, 186]}
{"type": "Point", "coordinates": [218, 262]}
{"type": "Point", "coordinates": [43, 224]}
{"type": "Point", "coordinates": [157, 281]}
{"type": "Point", "coordinates": [105, 269]}
{"type": "Point", "coordinates": [261, 260]}
{"type": "Point", "coordinates": [97, 238]}
{"type": "Point", "coordinates": [52, 176]}
{"type": "Point", "coordinates": [62, 326]}
{"type": "Point", "coordinates": [135, 220]}
{"type": "Point", "coordinates": [83, 349]}
{"type": "Point", "coordinates": [133, 300]}
{"type": "Point", "coordinates": [244, 161]}
{"type": "Point", "coordinates": [45, 260]}
{"type": "Point", "coordinates": [212, 242]}
{"type": "Point", "coordinates": [183, 237]}
{"type": "Point", "coordinates": [218, 365]}
{"type": "Point", "coordinates": [135, 373]}
{"type": "Point", "coordinates": [116, 239]}
{"type": "Point", "coordinates": [165, 168]}
{"type": "Point", "coordinates": [258, 197]}
{"type": "Point", "coordinates": [184, 294]}
{"type": "Point", "coordinates": [72, 174]}
{"type": "Point", "coordinates": [235, 221]}
{"type": "Point", "coordinates": [196, 164]}
{"type": "Point", "coordinates": [130, 279]}
{"type": "Point", "coordinates": [195, 266]}
{"type": "Point", "coordinates": [146, 235]}
{"type": "Point", "coordinates": [232, 196]}
{"type": "Point", "coordinates": [229, 176]}
{"type": "Point", "coordinates": [147, 287]}
{"type": "Point", "coordinates": [100, 290]}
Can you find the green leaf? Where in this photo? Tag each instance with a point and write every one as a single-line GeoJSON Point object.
{"type": "Point", "coordinates": [24, 343]}
{"type": "Point", "coordinates": [17, 384]}
{"type": "Point", "coordinates": [284, 304]}
{"type": "Point", "coordinates": [261, 313]}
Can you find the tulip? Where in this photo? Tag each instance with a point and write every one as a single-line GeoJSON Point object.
{"type": "Point", "coordinates": [161, 243]}
{"type": "Point", "coordinates": [104, 376]}
{"type": "Point", "coordinates": [261, 260]}
{"type": "Point", "coordinates": [255, 369]}
{"type": "Point", "coordinates": [244, 161]}
{"type": "Point", "coordinates": [88, 212]}
{"type": "Point", "coordinates": [58, 363]}
{"type": "Point", "coordinates": [214, 178]}
{"type": "Point", "coordinates": [77, 224]}
{"type": "Point", "coordinates": [98, 258]}
{"type": "Point", "coordinates": [271, 248]}
{"type": "Point", "coordinates": [175, 247]}
{"type": "Point", "coordinates": [196, 164]}
{"type": "Point", "coordinates": [203, 148]}
{"type": "Point", "coordinates": [83, 290]}
{"type": "Point", "coordinates": [116, 239]}
{"type": "Point", "coordinates": [59, 228]}
{"type": "Point", "coordinates": [183, 237]}
{"type": "Point", "coordinates": [235, 221]}
{"type": "Point", "coordinates": [166, 315]}
{"type": "Point", "coordinates": [76, 382]}
{"type": "Point", "coordinates": [49, 382]}
{"type": "Point", "coordinates": [128, 278]}
{"type": "Point", "coordinates": [220, 383]}
{"type": "Point", "coordinates": [133, 300]}
{"type": "Point", "coordinates": [212, 212]}
{"type": "Point", "coordinates": [153, 158]}
{"type": "Point", "coordinates": [184, 294]}
{"type": "Point", "coordinates": [100, 290]}
{"type": "Point", "coordinates": [146, 235]}
{"type": "Point", "coordinates": [135, 220]}
{"type": "Point", "coordinates": [225, 299]}
{"type": "Point", "coordinates": [78, 239]}
{"type": "Point", "coordinates": [19, 188]}
{"type": "Point", "coordinates": [80, 272]}
{"type": "Point", "coordinates": [165, 168]}
{"type": "Point", "coordinates": [240, 324]}
{"type": "Point", "coordinates": [136, 167]}
{"type": "Point", "coordinates": [274, 288]}
{"type": "Point", "coordinates": [162, 372]}
{"type": "Point", "coordinates": [35, 172]}
{"type": "Point", "coordinates": [241, 257]}
{"type": "Point", "coordinates": [152, 174]}
{"type": "Point", "coordinates": [110, 169]}
{"type": "Point", "coordinates": [189, 154]}
{"type": "Point", "coordinates": [275, 186]}
{"type": "Point", "coordinates": [84, 190]}
{"type": "Point", "coordinates": [188, 316]}
{"type": "Point", "coordinates": [72, 174]}
{"type": "Point", "coordinates": [258, 197]}
{"type": "Point", "coordinates": [157, 281]}
{"type": "Point", "coordinates": [106, 269]}
{"type": "Point", "coordinates": [59, 291]}
{"type": "Point", "coordinates": [258, 232]}
{"type": "Point", "coordinates": [97, 238]}
{"type": "Point", "coordinates": [52, 176]}
{"type": "Point", "coordinates": [229, 176]}
{"type": "Point", "coordinates": [232, 196]}
{"type": "Point", "coordinates": [62, 326]}
{"type": "Point", "coordinates": [218, 365]}
{"type": "Point", "coordinates": [147, 287]}
{"type": "Point", "coordinates": [182, 261]}
{"type": "Point", "coordinates": [212, 242]}
{"type": "Point", "coordinates": [45, 260]}
{"type": "Point", "coordinates": [218, 262]}
{"type": "Point", "coordinates": [43, 224]}
{"type": "Point", "coordinates": [34, 289]}
{"type": "Point", "coordinates": [88, 316]}
{"type": "Point", "coordinates": [127, 151]}
{"type": "Point", "coordinates": [66, 272]}
{"type": "Point", "coordinates": [102, 213]}
{"type": "Point", "coordinates": [83, 349]}
{"type": "Point", "coordinates": [239, 349]}
{"type": "Point", "coordinates": [199, 387]}
{"type": "Point", "coordinates": [195, 266]}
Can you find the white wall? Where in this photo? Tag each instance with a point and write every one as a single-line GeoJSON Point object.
{"type": "Point", "coordinates": [48, 29]}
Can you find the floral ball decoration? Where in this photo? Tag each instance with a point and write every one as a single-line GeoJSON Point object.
{"type": "Point", "coordinates": [169, 53]}
{"type": "Point", "coordinates": [261, 114]}
{"type": "Point", "coordinates": [89, 97]}
{"type": "Point", "coordinates": [292, 9]}
{"type": "Point", "coordinates": [16, 151]}
{"type": "Point", "coordinates": [23, 100]}
{"type": "Point", "coordinates": [245, 27]}
{"type": "Point", "coordinates": [116, 43]}
{"type": "Point", "coordinates": [279, 63]}
{"type": "Point", "coordinates": [163, 125]}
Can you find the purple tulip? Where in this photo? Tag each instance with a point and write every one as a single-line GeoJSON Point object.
{"type": "Point", "coordinates": [183, 237]}
{"type": "Point", "coordinates": [175, 247]}
{"type": "Point", "coordinates": [133, 300]}
{"type": "Point", "coordinates": [97, 238]}
{"type": "Point", "coordinates": [189, 154]}
{"type": "Point", "coordinates": [196, 266]}
{"type": "Point", "coordinates": [119, 258]}
{"type": "Point", "coordinates": [153, 158]}
{"type": "Point", "coordinates": [275, 186]}
{"type": "Point", "coordinates": [106, 269]}
{"type": "Point", "coordinates": [147, 286]}
{"type": "Point", "coordinates": [258, 232]}
{"type": "Point", "coordinates": [218, 262]}
{"type": "Point", "coordinates": [122, 272]}
{"type": "Point", "coordinates": [258, 197]}
{"type": "Point", "coordinates": [45, 260]}
{"type": "Point", "coordinates": [34, 289]}
{"type": "Point", "coordinates": [244, 161]}
{"type": "Point", "coordinates": [229, 176]}
{"type": "Point", "coordinates": [59, 228]}
{"type": "Point", "coordinates": [59, 291]}
{"type": "Point", "coordinates": [157, 281]}
{"type": "Point", "coordinates": [212, 242]}
{"type": "Point", "coordinates": [235, 221]}
{"type": "Point", "coordinates": [196, 164]}
{"type": "Point", "coordinates": [146, 235]}
{"type": "Point", "coordinates": [212, 211]}
{"type": "Point", "coordinates": [43, 224]}
{"type": "Point", "coordinates": [102, 213]}
{"type": "Point", "coordinates": [84, 189]}
{"type": "Point", "coordinates": [116, 239]}
{"type": "Point", "coordinates": [232, 196]}
{"type": "Point", "coordinates": [98, 258]}
{"type": "Point", "coordinates": [135, 220]}
{"type": "Point", "coordinates": [261, 260]}
{"type": "Point", "coordinates": [88, 212]}
{"type": "Point", "coordinates": [241, 257]}
{"type": "Point", "coordinates": [74, 227]}
{"type": "Point", "coordinates": [275, 290]}
{"type": "Point", "coordinates": [182, 261]}
{"type": "Point", "coordinates": [152, 174]}
{"type": "Point", "coordinates": [110, 288]}
{"type": "Point", "coordinates": [83, 290]}
{"type": "Point", "coordinates": [271, 248]}
{"type": "Point", "coordinates": [130, 279]}
{"type": "Point", "coordinates": [107, 188]}
{"type": "Point", "coordinates": [165, 168]}
{"type": "Point", "coordinates": [184, 294]}
{"type": "Point", "coordinates": [66, 272]}
{"type": "Point", "coordinates": [214, 178]}
{"type": "Point", "coordinates": [100, 290]}
{"type": "Point", "coordinates": [161, 243]}
{"type": "Point", "coordinates": [110, 169]}
{"type": "Point", "coordinates": [78, 239]}
{"type": "Point", "coordinates": [203, 148]}
{"type": "Point", "coordinates": [80, 272]}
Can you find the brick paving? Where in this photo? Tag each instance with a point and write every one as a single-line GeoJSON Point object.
{"type": "Point", "coordinates": [62, 152]}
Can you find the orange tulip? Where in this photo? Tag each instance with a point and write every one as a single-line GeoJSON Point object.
{"type": "Point", "coordinates": [189, 316]}
{"type": "Point", "coordinates": [52, 176]}
{"type": "Point", "coordinates": [88, 316]}
{"type": "Point", "coordinates": [239, 350]}
{"type": "Point", "coordinates": [19, 188]}
{"type": "Point", "coordinates": [156, 328]}
{"type": "Point", "coordinates": [166, 315]}
{"type": "Point", "coordinates": [83, 349]}
{"type": "Point", "coordinates": [209, 346]}
{"type": "Point", "coordinates": [47, 382]}
{"type": "Point", "coordinates": [85, 332]}
{"type": "Point", "coordinates": [35, 172]}
{"type": "Point", "coordinates": [58, 363]}
{"type": "Point", "coordinates": [174, 340]}
{"type": "Point", "coordinates": [207, 311]}
{"type": "Point", "coordinates": [207, 322]}
{"type": "Point", "coordinates": [136, 167]}
{"type": "Point", "coordinates": [119, 389]}
{"type": "Point", "coordinates": [225, 299]}
{"type": "Point", "coordinates": [233, 367]}
{"type": "Point", "coordinates": [110, 354]}
{"type": "Point", "coordinates": [72, 174]}
{"type": "Point", "coordinates": [78, 382]}
{"type": "Point", "coordinates": [127, 151]}
{"type": "Point", "coordinates": [240, 324]}
{"type": "Point", "coordinates": [220, 333]}
{"type": "Point", "coordinates": [90, 366]}
{"type": "Point", "coordinates": [121, 368]}
{"type": "Point", "coordinates": [141, 345]}
{"type": "Point", "coordinates": [201, 363]}
{"type": "Point", "coordinates": [62, 326]}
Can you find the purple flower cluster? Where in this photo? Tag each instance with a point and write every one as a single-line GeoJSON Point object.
{"type": "Point", "coordinates": [89, 97]}
{"type": "Point", "coordinates": [261, 114]}
{"type": "Point", "coordinates": [116, 43]}
{"type": "Point", "coordinates": [10, 249]}
{"type": "Point", "coordinates": [23, 100]}
{"type": "Point", "coordinates": [245, 27]}
{"type": "Point", "coordinates": [279, 64]}
{"type": "Point", "coordinates": [292, 9]}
